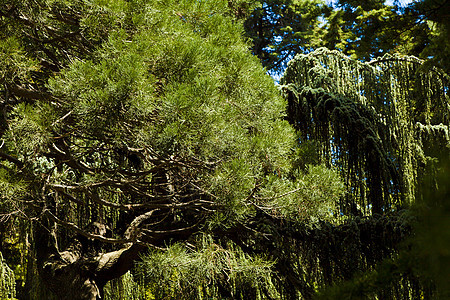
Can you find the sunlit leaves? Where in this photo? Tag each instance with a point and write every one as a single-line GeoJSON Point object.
{"type": "Point", "coordinates": [15, 65]}
{"type": "Point", "coordinates": [28, 130]}
{"type": "Point", "coordinates": [197, 274]}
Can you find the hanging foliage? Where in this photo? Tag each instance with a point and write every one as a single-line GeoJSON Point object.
{"type": "Point", "coordinates": [309, 257]}
{"type": "Point", "coordinates": [216, 270]}
{"type": "Point", "coordinates": [375, 121]}
{"type": "Point", "coordinates": [7, 281]}
{"type": "Point", "coordinates": [124, 288]}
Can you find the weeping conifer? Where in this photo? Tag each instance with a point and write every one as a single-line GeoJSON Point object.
{"type": "Point", "coordinates": [384, 125]}
{"type": "Point", "coordinates": [380, 122]}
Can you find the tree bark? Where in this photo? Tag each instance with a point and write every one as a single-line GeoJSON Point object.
{"type": "Point", "coordinates": [76, 273]}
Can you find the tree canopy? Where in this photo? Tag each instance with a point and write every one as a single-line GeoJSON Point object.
{"type": "Point", "coordinates": [363, 30]}
{"type": "Point", "coordinates": [146, 154]}
{"type": "Point", "coordinates": [134, 124]}
{"type": "Point", "coordinates": [378, 121]}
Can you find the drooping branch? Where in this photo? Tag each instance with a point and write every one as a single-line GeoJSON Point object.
{"type": "Point", "coordinates": [365, 115]}
{"type": "Point", "coordinates": [315, 255]}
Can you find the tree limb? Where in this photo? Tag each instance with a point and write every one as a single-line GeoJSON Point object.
{"type": "Point", "coordinates": [80, 231]}
{"type": "Point", "coordinates": [17, 162]}
{"type": "Point", "coordinates": [31, 94]}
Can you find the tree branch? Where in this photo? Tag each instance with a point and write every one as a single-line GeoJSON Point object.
{"type": "Point", "coordinates": [31, 94]}
{"type": "Point", "coordinates": [80, 231]}
{"type": "Point", "coordinates": [114, 264]}
{"type": "Point", "coordinates": [17, 162]}
{"type": "Point", "coordinates": [132, 231]}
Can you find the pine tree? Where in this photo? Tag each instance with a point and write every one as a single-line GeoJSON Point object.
{"type": "Point", "coordinates": [144, 153]}
{"type": "Point", "coordinates": [136, 125]}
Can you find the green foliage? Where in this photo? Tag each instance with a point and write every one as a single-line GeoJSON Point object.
{"type": "Point", "coordinates": [15, 64]}
{"type": "Point", "coordinates": [186, 88]}
{"type": "Point", "coordinates": [122, 83]}
{"type": "Point", "coordinates": [7, 281]}
{"type": "Point", "coordinates": [125, 288]}
{"type": "Point", "coordinates": [10, 186]}
{"type": "Point", "coordinates": [279, 29]}
{"type": "Point", "coordinates": [421, 268]}
{"type": "Point", "coordinates": [371, 29]}
{"type": "Point", "coordinates": [368, 121]}
{"type": "Point", "coordinates": [315, 198]}
{"type": "Point", "coordinates": [149, 122]}
{"type": "Point", "coordinates": [363, 30]}
{"type": "Point", "coordinates": [382, 129]}
{"type": "Point", "coordinates": [152, 119]}
{"type": "Point", "coordinates": [209, 272]}
{"type": "Point", "coordinates": [315, 255]}
{"type": "Point", "coordinates": [438, 50]}
{"type": "Point", "coordinates": [28, 129]}
{"type": "Point", "coordinates": [430, 245]}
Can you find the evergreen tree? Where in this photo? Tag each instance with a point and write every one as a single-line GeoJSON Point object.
{"type": "Point", "coordinates": [145, 154]}
{"type": "Point", "coordinates": [363, 30]}
{"type": "Point", "coordinates": [370, 29]}
{"type": "Point", "coordinates": [435, 14]}
{"type": "Point", "coordinates": [129, 125]}
{"type": "Point", "coordinates": [280, 29]}
{"type": "Point", "coordinates": [377, 121]}
{"type": "Point", "coordinates": [388, 135]}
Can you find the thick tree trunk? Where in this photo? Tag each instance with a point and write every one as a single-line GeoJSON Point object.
{"type": "Point", "coordinates": [77, 274]}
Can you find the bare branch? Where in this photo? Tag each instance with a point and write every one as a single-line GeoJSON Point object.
{"type": "Point", "coordinates": [17, 162]}
{"type": "Point", "coordinates": [131, 206]}
{"type": "Point", "coordinates": [32, 94]}
{"type": "Point", "coordinates": [133, 230]}
{"type": "Point", "coordinates": [169, 231]}
{"type": "Point", "coordinates": [78, 230]}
